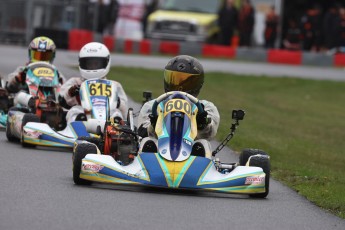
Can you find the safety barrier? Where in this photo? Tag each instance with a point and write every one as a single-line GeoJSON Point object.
{"type": "Point", "coordinates": [77, 38]}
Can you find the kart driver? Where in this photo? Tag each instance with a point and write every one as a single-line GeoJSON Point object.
{"type": "Point", "coordinates": [40, 49]}
{"type": "Point", "coordinates": [182, 73]}
{"type": "Point", "coordinates": [94, 63]}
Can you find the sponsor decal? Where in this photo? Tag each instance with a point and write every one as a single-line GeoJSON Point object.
{"type": "Point", "coordinates": [254, 180]}
{"type": "Point", "coordinates": [98, 102]}
{"type": "Point", "coordinates": [187, 142]}
{"type": "Point", "coordinates": [32, 134]}
{"type": "Point", "coordinates": [90, 167]}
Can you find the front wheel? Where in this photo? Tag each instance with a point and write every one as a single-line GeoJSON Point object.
{"type": "Point", "coordinates": [247, 153]}
{"type": "Point", "coordinates": [9, 135]}
{"type": "Point", "coordinates": [79, 153]}
{"type": "Point", "coordinates": [29, 117]}
{"type": "Point", "coordinates": [262, 161]}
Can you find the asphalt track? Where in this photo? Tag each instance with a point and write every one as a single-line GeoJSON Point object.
{"type": "Point", "coordinates": [37, 190]}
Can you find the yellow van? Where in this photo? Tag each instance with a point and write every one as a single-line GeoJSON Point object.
{"type": "Point", "coordinates": [185, 20]}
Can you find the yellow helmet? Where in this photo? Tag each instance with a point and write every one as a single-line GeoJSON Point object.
{"type": "Point", "coordinates": [42, 49]}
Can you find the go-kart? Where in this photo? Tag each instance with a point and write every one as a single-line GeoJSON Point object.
{"type": "Point", "coordinates": [180, 161]}
{"type": "Point", "coordinates": [6, 101]}
{"type": "Point", "coordinates": [39, 105]}
{"type": "Point", "coordinates": [95, 97]}
{"type": "Point", "coordinates": [4, 105]}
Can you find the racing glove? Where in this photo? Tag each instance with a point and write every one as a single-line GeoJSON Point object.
{"type": "Point", "coordinates": [73, 91]}
{"type": "Point", "coordinates": [202, 120]}
{"type": "Point", "coordinates": [153, 120]}
{"type": "Point", "coordinates": [32, 102]}
{"type": "Point", "coordinates": [142, 131]}
{"type": "Point", "coordinates": [21, 77]}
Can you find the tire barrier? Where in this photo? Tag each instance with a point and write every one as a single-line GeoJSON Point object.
{"type": "Point", "coordinates": [78, 38]}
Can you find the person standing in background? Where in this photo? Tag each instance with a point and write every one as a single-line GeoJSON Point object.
{"type": "Point", "coordinates": [292, 40]}
{"type": "Point", "coordinates": [311, 29]}
{"type": "Point", "coordinates": [149, 8]}
{"type": "Point", "coordinates": [246, 23]}
{"type": "Point", "coordinates": [112, 17]}
{"type": "Point", "coordinates": [271, 28]}
{"type": "Point", "coordinates": [331, 27]}
{"type": "Point", "coordinates": [341, 36]}
{"type": "Point", "coordinates": [227, 21]}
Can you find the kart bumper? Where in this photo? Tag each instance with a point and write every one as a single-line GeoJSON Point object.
{"type": "Point", "coordinates": [151, 169]}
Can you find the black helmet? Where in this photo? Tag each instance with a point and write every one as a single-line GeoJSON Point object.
{"type": "Point", "coordinates": [184, 73]}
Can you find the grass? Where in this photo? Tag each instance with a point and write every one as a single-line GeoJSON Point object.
{"type": "Point", "coordinates": [299, 123]}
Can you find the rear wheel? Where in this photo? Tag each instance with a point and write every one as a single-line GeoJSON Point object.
{"type": "Point", "coordinates": [263, 162]}
{"type": "Point", "coordinates": [29, 117]}
{"type": "Point", "coordinates": [79, 152]}
{"type": "Point", "coordinates": [247, 153]}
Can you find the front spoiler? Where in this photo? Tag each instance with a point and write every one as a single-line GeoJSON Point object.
{"type": "Point", "coordinates": [43, 135]}
{"type": "Point", "coordinates": [151, 169]}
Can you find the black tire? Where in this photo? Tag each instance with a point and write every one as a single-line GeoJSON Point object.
{"type": "Point", "coordinates": [29, 117]}
{"type": "Point", "coordinates": [262, 161]}
{"type": "Point", "coordinates": [94, 140]}
{"type": "Point", "coordinates": [9, 135]}
{"type": "Point", "coordinates": [246, 153]}
{"type": "Point", "coordinates": [79, 152]}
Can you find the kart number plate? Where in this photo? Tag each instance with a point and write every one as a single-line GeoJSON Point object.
{"type": "Point", "coordinates": [43, 72]}
{"type": "Point", "coordinates": [178, 105]}
{"type": "Point", "coordinates": [100, 89]}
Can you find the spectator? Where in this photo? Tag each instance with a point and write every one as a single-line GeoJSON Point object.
{"type": "Point", "coordinates": [246, 23]}
{"type": "Point", "coordinates": [341, 42]}
{"type": "Point", "coordinates": [311, 29]}
{"type": "Point", "coordinates": [106, 15]}
{"type": "Point", "coordinates": [292, 41]}
{"type": "Point", "coordinates": [149, 8]}
{"type": "Point", "coordinates": [227, 21]}
{"type": "Point", "coordinates": [331, 27]}
{"type": "Point", "coordinates": [271, 28]}
{"type": "Point", "coordinates": [112, 17]}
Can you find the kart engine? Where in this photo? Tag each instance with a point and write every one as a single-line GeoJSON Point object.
{"type": "Point", "coordinates": [121, 143]}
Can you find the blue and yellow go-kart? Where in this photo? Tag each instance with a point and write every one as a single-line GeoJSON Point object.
{"type": "Point", "coordinates": [176, 164]}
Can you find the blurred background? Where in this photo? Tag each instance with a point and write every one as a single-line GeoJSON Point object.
{"type": "Point", "coordinates": [308, 25]}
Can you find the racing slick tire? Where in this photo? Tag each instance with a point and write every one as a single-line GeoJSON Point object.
{"type": "Point", "coordinates": [79, 152]}
{"type": "Point", "coordinates": [29, 117]}
{"type": "Point", "coordinates": [9, 135]}
{"type": "Point", "coordinates": [94, 140]}
{"type": "Point", "coordinates": [262, 161]}
{"type": "Point", "coordinates": [247, 153]}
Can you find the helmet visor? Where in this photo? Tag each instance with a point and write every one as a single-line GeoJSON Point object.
{"type": "Point", "coordinates": [41, 56]}
{"type": "Point", "coordinates": [93, 63]}
{"type": "Point", "coordinates": [177, 81]}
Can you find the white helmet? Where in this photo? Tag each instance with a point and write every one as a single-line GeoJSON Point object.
{"type": "Point", "coordinates": [94, 61]}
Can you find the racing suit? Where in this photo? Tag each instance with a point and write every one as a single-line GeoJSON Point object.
{"type": "Point", "coordinates": [203, 136]}
{"type": "Point", "coordinates": [15, 84]}
{"type": "Point", "coordinates": [76, 108]}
